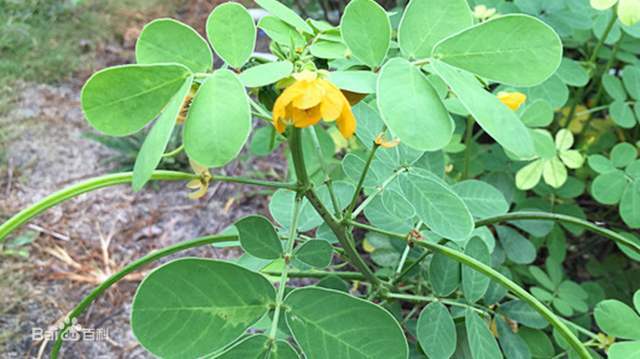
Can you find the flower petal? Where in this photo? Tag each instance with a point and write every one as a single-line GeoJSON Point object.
{"type": "Point", "coordinates": [311, 96]}
{"type": "Point", "coordinates": [306, 118]}
{"type": "Point", "coordinates": [332, 102]}
{"type": "Point", "coordinates": [346, 122]}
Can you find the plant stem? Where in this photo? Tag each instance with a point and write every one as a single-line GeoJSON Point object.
{"type": "Point", "coordinates": [420, 298]}
{"type": "Point", "coordinates": [341, 232]}
{"type": "Point", "coordinates": [151, 257]}
{"type": "Point", "coordinates": [520, 292]}
{"type": "Point", "coordinates": [288, 254]}
{"type": "Point", "coordinates": [363, 175]}
{"type": "Point", "coordinates": [321, 274]}
{"type": "Point", "coordinates": [564, 219]}
{"type": "Point", "coordinates": [325, 169]}
{"type": "Point", "coordinates": [111, 180]}
{"type": "Point", "coordinates": [378, 190]}
{"type": "Point", "coordinates": [174, 152]}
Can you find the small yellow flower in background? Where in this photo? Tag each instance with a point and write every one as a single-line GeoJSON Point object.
{"type": "Point", "coordinates": [513, 100]}
{"type": "Point", "coordinates": [200, 185]}
{"type": "Point", "coordinates": [481, 12]}
{"type": "Point", "coordinates": [310, 99]}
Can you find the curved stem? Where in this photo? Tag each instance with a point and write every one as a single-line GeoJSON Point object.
{"type": "Point", "coordinates": [127, 270]}
{"type": "Point", "coordinates": [520, 292]}
{"type": "Point", "coordinates": [564, 219]}
{"type": "Point", "coordinates": [173, 152]}
{"type": "Point", "coordinates": [112, 180]}
{"type": "Point", "coordinates": [363, 176]}
{"type": "Point", "coordinates": [78, 189]}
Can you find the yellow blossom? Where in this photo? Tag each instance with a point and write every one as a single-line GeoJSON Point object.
{"type": "Point", "coordinates": [200, 185]}
{"type": "Point", "coordinates": [310, 99]}
{"type": "Point", "coordinates": [513, 100]}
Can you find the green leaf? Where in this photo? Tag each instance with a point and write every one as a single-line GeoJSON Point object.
{"type": "Point", "coordinates": [474, 283]}
{"type": "Point", "coordinates": [608, 188]}
{"type": "Point", "coordinates": [397, 204]}
{"type": "Point", "coordinates": [323, 323]}
{"type": "Point", "coordinates": [602, 4]}
{"type": "Point", "coordinates": [554, 173]}
{"type": "Point", "coordinates": [436, 331]}
{"type": "Point", "coordinates": [502, 124]}
{"type": "Point", "coordinates": [156, 142]}
{"type": "Point", "coordinates": [281, 209]}
{"type": "Point", "coordinates": [354, 81]}
{"type": "Point", "coordinates": [285, 14]}
{"type": "Point", "coordinates": [572, 73]}
{"type": "Point", "coordinates": [481, 342]}
{"type": "Point", "coordinates": [601, 164]}
{"type": "Point", "coordinates": [281, 32]}
{"type": "Point", "coordinates": [540, 346]}
{"type": "Point", "coordinates": [524, 314]}
{"type": "Point", "coordinates": [219, 120]}
{"type": "Point", "coordinates": [617, 319]}
{"type": "Point", "coordinates": [517, 248]}
{"type": "Point", "coordinates": [232, 33]}
{"type": "Point", "coordinates": [265, 74]}
{"type": "Point", "coordinates": [512, 345]}
{"type": "Point", "coordinates": [482, 199]}
{"type": "Point", "coordinates": [259, 346]}
{"type": "Point", "coordinates": [538, 114]}
{"type": "Point", "coordinates": [316, 253]}
{"type": "Point", "coordinates": [180, 311]}
{"type": "Point", "coordinates": [121, 100]}
{"type": "Point", "coordinates": [529, 176]}
{"type": "Point", "coordinates": [613, 86]}
{"type": "Point", "coordinates": [168, 40]}
{"type": "Point", "coordinates": [631, 80]}
{"type": "Point", "coordinates": [438, 206]}
{"type": "Point", "coordinates": [622, 114]}
{"type": "Point", "coordinates": [624, 350]}
{"type": "Point", "coordinates": [518, 50]}
{"type": "Point", "coordinates": [329, 50]}
{"type": "Point", "coordinates": [366, 30]}
{"type": "Point", "coordinates": [629, 12]}
{"type": "Point", "coordinates": [426, 22]}
{"type": "Point", "coordinates": [630, 205]}
{"type": "Point", "coordinates": [444, 274]}
{"type": "Point", "coordinates": [623, 154]}
{"type": "Point", "coordinates": [411, 108]}
{"type": "Point", "coordinates": [258, 237]}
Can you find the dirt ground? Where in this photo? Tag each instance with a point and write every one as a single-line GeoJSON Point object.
{"type": "Point", "coordinates": [81, 242]}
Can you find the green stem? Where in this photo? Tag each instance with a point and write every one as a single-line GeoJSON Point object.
{"type": "Point", "coordinates": [420, 299]}
{"type": "Point", "coordinates": [340, 231]}
{"type": "Point", "coordinates": [500, 279]}
{"type": "Point", "coordinates": [363, 175]}
{"type": "Point", "coordinates": [377, 191]}
{"type": "Point", "coordinates": [154, 256]}
{"type": "Point", "coordinates": [288, 254]}
{"type": "Point", "coordinates": [325, 169]}
{"type": "Point", "coordinates": [174, 152]}
{"type": "Point", "coordinates": [112, 180]}
{"type": "Point", "coordinates": [321, 274]}
{"type": "Point", "coordinates": [563, 219]}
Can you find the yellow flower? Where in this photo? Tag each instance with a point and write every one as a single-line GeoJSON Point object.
{"type": "Point", "coordinates": [310, 99]}
{"type": "Point", "coordinates": [200, 185]}
{"type": "Point", "coordinates": [513, 100]}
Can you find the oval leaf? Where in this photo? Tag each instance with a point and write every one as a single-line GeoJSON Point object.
{"type": "Point", "coordinates": [438, 207]}
{"type": "Point", "coordinates": [366, 30]}
{"type": "Point", "coordinates": [156, 142]}
{"type": "Point", "coordinates": [285, 14]}
{"type": "Point", "coordinates": [482, 343]}
{"type": "Point", "coordinates": [518, 50]}
{"type": "Point", "coordinates": [425, 22]}
{"type": "Point", "coordinates": [437, 331]}
{"type": "Point", "coordinates": [168, 40]}
{"type": "Point", "coordinates": [219, 120]}
{"type": "Point", "coordinates": [474, 283]}
{"type": "Point", "coordinates": [121, 100]}
{"type": "Point", "coordinates": [232, 33]}
{"type": "Point", "coordinates": [482, 199]}
{"type": "Point", "coordinates": [316, 253]}
{"type": "Point", "coordinates": [180, 310]}
{"type": "Point", "coordinates": [411, 108]}
{"type": "Point", "coordinates": [258, 237]}
{"type": "Point", "coordinates": [259, 346]}
{"type": "Point", "coordinates": [323, 322]}
{"type": "Point", "coordinates": [266, 74]}
{"type": "Point", "coordinates": [494, 117]}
